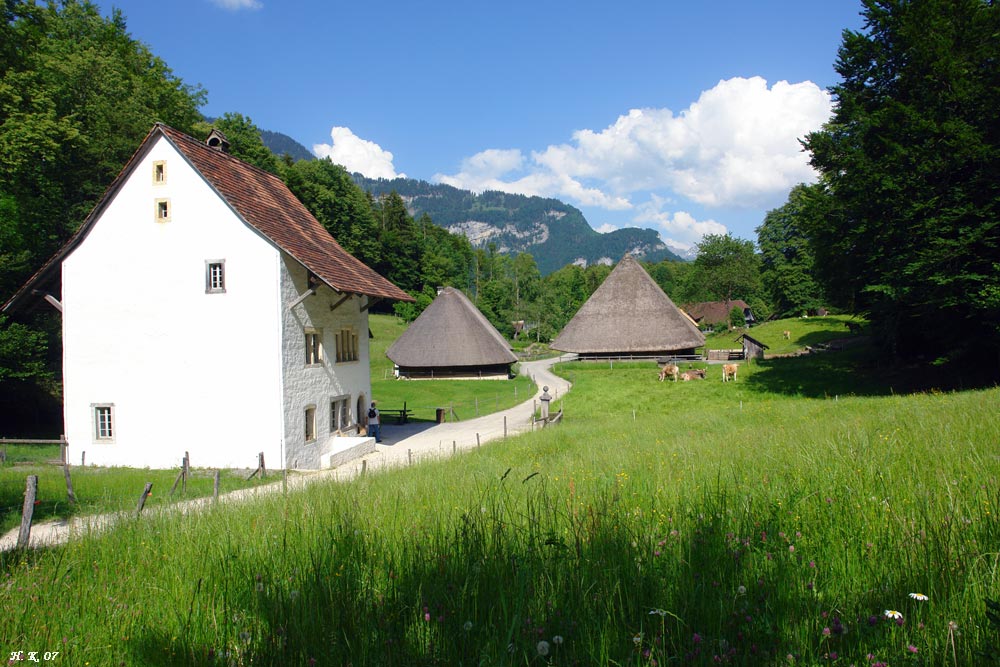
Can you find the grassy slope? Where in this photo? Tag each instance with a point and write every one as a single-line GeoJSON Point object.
{"type": "Point", "coordinates": [726, 523]}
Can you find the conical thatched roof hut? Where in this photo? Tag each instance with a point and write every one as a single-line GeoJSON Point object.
{"type": "Point", "coordinates": [629, 315]}
{"type": "Point", "coordinates": [450, 339]}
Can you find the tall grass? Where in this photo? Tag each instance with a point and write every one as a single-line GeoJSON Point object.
{"type": "Point", "coordinates": [739, 523]}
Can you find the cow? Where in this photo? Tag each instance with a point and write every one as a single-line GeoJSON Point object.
{"type": "Point", "coordinates": [787, 335]}
{"type": "Point", "coordinates": [670, 369]}
{"type": "Point", "coordinates": [693, 374]}
{"type": "Point", "coordinates": [729, 372]}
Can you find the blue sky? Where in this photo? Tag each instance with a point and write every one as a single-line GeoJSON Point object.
{"type": "Point", "coordinates": [679, 116]}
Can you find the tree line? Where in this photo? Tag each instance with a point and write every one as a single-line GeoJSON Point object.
{"type": "Point", "coordinates": [901, 228]}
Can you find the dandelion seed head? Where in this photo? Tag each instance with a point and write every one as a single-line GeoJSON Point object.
{"type": "Point", "coordinates": [543, 648]}
{"type": "Point", "coordinates": [557, 640]}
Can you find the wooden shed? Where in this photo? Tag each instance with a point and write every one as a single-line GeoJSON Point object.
{"type": "Point", "coordinates": [752, 348]}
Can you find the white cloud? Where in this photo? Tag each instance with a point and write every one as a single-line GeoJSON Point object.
{"type": "Point", "coordinates": [737, 145]}
{"type": "Point", "coordinates": [357, 154]}
{"type": "Point", "coordinates": [679, 228]}
{"type": "Point", "coordinates": [606, 228]}
{"type": "Point", "coordinates": [237, 5]}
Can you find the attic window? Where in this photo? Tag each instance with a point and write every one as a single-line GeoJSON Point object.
{"type": "Point", "coordinates": [163, 210]}
{"type": "Point", "coordinates": [347, 345]}
{"type": "Point", "coordinates": [159, 172]}
{"type": "Point", "coordinates": [215, 276]}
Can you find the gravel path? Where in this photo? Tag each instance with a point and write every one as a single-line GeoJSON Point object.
{"type": "Point", "coordinates": [401, 446]}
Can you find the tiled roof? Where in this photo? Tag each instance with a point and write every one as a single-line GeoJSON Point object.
{"type": "Point", "coordinates": [713, 312]}
{"type": "Point", "coordinates": [265, 203]}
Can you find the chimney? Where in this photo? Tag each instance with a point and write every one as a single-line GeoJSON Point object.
{"type": "Point", "coordinates": [218, 141]}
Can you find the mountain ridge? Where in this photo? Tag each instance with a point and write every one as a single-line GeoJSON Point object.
{"type": "Point", "coordinates": [553, 232]}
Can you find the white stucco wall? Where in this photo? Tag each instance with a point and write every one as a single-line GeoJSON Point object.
{"type": "Point", "coordinates": [317, 385]}
{"type": "Point", "coordinates": [184, 370]}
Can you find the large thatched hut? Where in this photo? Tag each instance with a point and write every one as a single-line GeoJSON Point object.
{"type": "Point", "coordinates": [451, 339]}
{"type": "Point", "coordinates": [629, 316]}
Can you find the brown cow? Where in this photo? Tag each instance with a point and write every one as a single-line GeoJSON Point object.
{"type": "Point", "coordinates": [670, 369]}
{"type": "Point", "coordinates": [729, 372]}
{"type": "Point", "coordinates": [693, 374]}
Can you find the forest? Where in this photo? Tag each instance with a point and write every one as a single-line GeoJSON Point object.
{"type": "Point", "coordinates": [901, 227]}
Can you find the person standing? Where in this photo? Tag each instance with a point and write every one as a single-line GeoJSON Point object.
{"type": "Point", "coordinates": [374, 423]}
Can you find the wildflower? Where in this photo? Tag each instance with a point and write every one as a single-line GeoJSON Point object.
{"type": "Point", "coordinates": [833, 655]}
{"type": "Point", "coordinates": [637, 639]}
{"type": "Point", "coordinates": [918, 596]}
{"type": "Point", "coordinates": [791, 548]}
{"type": "Point", "coordinates": [893, 614]}
{"type": "Point", "coordinates": [696, 638]}
{"type": "Point", "coordinates": [661, 612]}
{"type": "Point", "coordinates": [827, 632]}
{"type": "Point", "coordinates": [742, 590]}
{"type": "Point", "coordinates": [543, 648]}
{"type": "Point", "coordinates": [557, 640]}
{"type": "Point", "coordinates": [911, 648]}
{"type": "Point", "coordinates": [467, 626]}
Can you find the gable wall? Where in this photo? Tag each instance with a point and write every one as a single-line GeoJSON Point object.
{"type": "Point", "coordinates": [317, 385]}
{"type": "Point", "coordinates": [185, 370]}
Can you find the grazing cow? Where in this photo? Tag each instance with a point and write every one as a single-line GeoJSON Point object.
{"type": "Point", "coordinates": [729, 372]}
{"type": "Point", "coordinates": [693, 374]}
{"type": "Point", "coordinates": [670, 369]}
{"type": "Point", "coordinates": [787, 335]}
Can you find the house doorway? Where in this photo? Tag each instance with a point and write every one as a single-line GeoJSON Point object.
{"type": "Point", "coordinates": [362, 412]}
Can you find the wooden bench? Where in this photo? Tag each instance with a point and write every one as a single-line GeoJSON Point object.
{"type": "Point", "coordinates": [401, 414]}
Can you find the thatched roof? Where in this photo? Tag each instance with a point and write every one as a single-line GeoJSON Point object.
{"type": "Point", "coordinates": [450, 332]}
{"type": "Point", "coordinates": [628, 313]}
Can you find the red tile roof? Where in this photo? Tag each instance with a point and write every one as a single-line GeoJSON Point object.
{"type": "Point", "coordinates": [263, 201]}
{"type": "Point", "coordinates": [258, 197]}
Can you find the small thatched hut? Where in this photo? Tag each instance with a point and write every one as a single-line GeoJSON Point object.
{"type": "Point", "coordinates": [716, 312]}
{"type": "Point", "coordinates": [629, 316]}
{"type": "Point", "coordinates": [451, 339]}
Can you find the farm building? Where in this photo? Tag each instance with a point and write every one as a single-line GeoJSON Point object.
{"type": "Point", "coordinates": [629, 316]}
{"type": "Point", "coordinates": [204, 309]}
{"type": "Point", "coordinates": [752, 348]}
{"type": "Point", "coordinates": [709, 313]}
{"type": "Point", "coordinates": [451, 339]}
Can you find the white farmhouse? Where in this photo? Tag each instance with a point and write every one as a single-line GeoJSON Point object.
{"type": "Point", "coordinates": [205, 310]}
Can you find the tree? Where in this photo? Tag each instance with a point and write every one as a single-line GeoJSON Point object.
{"type": "Point", "coordinates": [911, 159]}
{"type": "Point", "coordinates": [727, 268]}
{"type": "Point", "coordinates": [787, 264]}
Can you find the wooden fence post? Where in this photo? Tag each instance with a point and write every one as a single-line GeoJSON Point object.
{"type": "Point", "coordinates": [187, 471]}
{"type": "Point", "coordinates": [63, 446]}
{"type": "Point", "coordinates": [69, 484]}
{"type": "Point", "coordinates": [409, 456]}
{"type": "Point", "coordinates": [215, 488]}
{"type": "Point", "coordinates": [477, 440]}
{"type": "Point", "coordinates": [454, 447]}
{"type": "Point", "coordinates": [142, 499]}
{"type": "Point", "coordinates": [30, 490]}
{"type": "Point", "coordinates": [263, 470]}
{"type": "Point", "coordinates": [83, 458]}
{"type": "Point", "coordinates": [505, 427]}
{"type": "Point", "coordinates": [364, 466]}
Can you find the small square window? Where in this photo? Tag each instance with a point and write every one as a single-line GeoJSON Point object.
{"type": "Point", "coordinates": [104, 427]}
{"type": "Point", "coordinates": [314, 347]}
{"type": "Point", "coordinates": [159, 172]}
{"type": "Point", "coordinates": [311, 423]}
{"type": "Point", "coordinates": [215, 276]}
{"type": "Point", "coordinates": [163, 210]}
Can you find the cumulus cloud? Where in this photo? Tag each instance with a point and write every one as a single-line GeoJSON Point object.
{"type": "Point", "coordinates": [357, 154]}
{"type": "Point", "coordinates": [237, 5]}
{"type": "Point", "coordinates": [606, 228]}
{"type": "Point", "coordinates": [737, 145]}
{"type": "Point", "coordinates": [679, 229]}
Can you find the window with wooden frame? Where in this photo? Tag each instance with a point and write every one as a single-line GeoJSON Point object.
{"type": "Point", "coordinates": [159, 172]}
{"type": "Point", "coordinates": [314, 347]}
{"type": "Point", "coordinates": [340, 413]}
{"type": "Point", "coordinates": [163, 210]}
{"type": "Point", "coordinates": [311, 423]}
{"type": "Point", "coordinates": [215, 276]}
{"type": "Point", "coordinates": [104, 422]}
{"type": "Point", "coordinates": [347, 345]}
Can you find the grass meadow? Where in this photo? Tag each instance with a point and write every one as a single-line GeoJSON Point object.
{"type": "Point", "coordinates": [808, 514]}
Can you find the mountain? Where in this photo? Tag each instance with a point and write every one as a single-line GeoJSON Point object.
{"type": "Point", "coordinates": [281, 144]}
{"type": "Point", "coordinates": [554, 233]}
